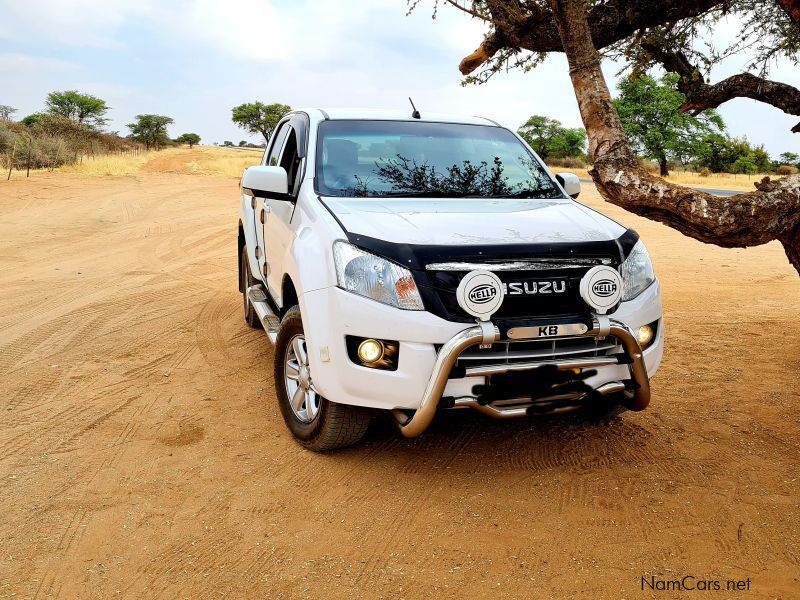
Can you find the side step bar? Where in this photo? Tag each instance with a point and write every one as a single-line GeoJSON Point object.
{"type": "Point", "coordinates": [269, 320]}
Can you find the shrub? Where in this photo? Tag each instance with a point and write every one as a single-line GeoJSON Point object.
{"type": "Point", "coordinates": [54, 142]}
{"type": "Point", "coordinates": [705, 172]}
{"type": "Point", "coordinates": [567, 163]}
{"type": "Point", "coordinates": [786, 170]}
{"type": "Point", "coordinates": [651, 167]}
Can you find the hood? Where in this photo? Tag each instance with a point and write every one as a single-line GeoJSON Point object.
{"type": "Point", "coordinates": [472, 221]}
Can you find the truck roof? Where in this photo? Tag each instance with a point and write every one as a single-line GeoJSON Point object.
{"type": "Point", "coordinates": [395, 115]}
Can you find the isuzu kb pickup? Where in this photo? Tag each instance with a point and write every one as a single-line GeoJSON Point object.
{"type": "Point", "coordinates": [419, 264]}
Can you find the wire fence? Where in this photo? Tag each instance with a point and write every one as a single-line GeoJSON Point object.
{"type": "Point", "coordinates": [20, 158]}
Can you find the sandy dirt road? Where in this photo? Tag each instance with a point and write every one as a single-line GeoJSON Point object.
{"type": "Point", "coordinates": [142, 453]}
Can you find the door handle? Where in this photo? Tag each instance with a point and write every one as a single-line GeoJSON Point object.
{"type": "Point", "coordinates": [263, 215]}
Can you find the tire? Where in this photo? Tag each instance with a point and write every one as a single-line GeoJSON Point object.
{"type": "Point", "coordinates": [316, 423]}
{"type": "Point", "coordinates": [250, 316]}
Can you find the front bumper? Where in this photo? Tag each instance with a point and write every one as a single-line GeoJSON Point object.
{"type": "Point", "coordinates": [602, 326]}
{"type": "Point", "coordinates": [330, 314]}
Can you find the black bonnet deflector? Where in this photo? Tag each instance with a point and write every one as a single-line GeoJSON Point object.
{"type": "Point", "coordinates": [417, 256]}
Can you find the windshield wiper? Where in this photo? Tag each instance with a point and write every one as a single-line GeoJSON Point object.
{"type": "Point", "coordinates": [428, 194]}
{"type": "Point", "coordinates": [523, 194]}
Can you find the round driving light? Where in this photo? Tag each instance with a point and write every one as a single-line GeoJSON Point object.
{"type": "Point", "coordinates": [644, 335]}
{"type": "Point", "coordinates": [370, 351]}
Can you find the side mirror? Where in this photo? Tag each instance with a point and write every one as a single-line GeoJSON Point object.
{"type": "Point", "coordinates": [570, 183]}
{"type": "Point", "coordinates": [265, 182]}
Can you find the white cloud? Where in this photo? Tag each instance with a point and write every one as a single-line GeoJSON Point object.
{"type": "Point", "coordinates": [12, 64]}
{"type": "Point", "coordinates": [194, 59]}
{"type": "Point", "coordinates": [90, 23]}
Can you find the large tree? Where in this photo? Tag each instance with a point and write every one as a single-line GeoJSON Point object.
{"type": "Point", "coordinates": [650, 115]}
{"type": "Point", "coordinates": [189, 138]}
{"type": "Point", "coordinates": [257, 117]}
{"type": "Point", "coordinates": [667, 32]}
{"type": "Point", "coordinates": [6, 111]}
{"type": "Point", "coordinates": [151, 130]}
{"type": "Point", "coordinates": [83, 109]}
{"type": "Point", "coordinates": [550, 139]}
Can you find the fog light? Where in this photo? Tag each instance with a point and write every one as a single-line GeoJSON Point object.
{"type": "Point", "coordinates": [645, 335]}
{"type": "Point", "coordinates": [370, 351]}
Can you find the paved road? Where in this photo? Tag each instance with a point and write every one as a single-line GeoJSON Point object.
{"type": "Point", "coordinates": [715, 192]}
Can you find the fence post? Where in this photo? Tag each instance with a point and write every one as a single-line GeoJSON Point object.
{"type": "Point", "coordinates": [30, 143]}
{"type": "Point", "coordinates": [11, 164]}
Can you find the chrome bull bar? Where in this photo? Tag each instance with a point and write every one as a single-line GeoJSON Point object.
{"type": "Point", "coordinates": [486, 333]}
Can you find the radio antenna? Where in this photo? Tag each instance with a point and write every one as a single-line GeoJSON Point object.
{"type": "Point", "coordinates": [415, 114]}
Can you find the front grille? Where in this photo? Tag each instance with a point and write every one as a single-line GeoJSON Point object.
{"type": "Point", "coordinates": [439, 291]}
{"type": "Point", "coordinates": [511, 351]}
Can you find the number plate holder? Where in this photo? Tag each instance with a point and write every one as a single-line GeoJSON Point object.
{"type": "Point", "coordinates": [547, 331]}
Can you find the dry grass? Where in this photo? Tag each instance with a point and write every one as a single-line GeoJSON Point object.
{"type": "Point", "coordinates": [111, 164]}
{"type": "Point", "coordinates": [200, 160]}
{"type": "Point", "coordinates": [222, 162]}
{"type": "Point", "coordinates": [723, 181]}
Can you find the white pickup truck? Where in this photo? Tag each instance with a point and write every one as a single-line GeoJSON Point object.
{"type": "Point", "coordinates": [418, 264]}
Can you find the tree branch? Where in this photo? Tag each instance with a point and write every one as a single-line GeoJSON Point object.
{"type": "Point", "coordinates": [701, 95]}
{"type": "Point", "coordinates": [529, 26]}
{"type": "Point", "coordinates": [470, 12]}
{"type": "Point", "coordinates": [770, 213]}
{"type": "Point", "coordinates": [792, 8]}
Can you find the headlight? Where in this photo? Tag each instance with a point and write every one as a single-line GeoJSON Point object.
{"type": "Point", "coordinates": [374, 277]}
{"type": "Point", "coordinates": [637, 272]}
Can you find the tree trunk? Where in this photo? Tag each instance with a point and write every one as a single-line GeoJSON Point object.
{"type": "Point", "coordinates": [751, 219]}
{"type": "Point", "coordinates": [662, 166]}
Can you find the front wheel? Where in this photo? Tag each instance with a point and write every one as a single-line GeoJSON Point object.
{"type": "Point", "coordinates": [316, 422]}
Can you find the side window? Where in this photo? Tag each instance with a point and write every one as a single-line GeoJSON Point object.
{"type": "Point", "coordinates": [290, 161]}
{"type": "Point", "coordinates": [278, 138]}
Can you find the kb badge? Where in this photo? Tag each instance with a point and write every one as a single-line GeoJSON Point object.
{"type": "Point", "coordinates": [480, 294]}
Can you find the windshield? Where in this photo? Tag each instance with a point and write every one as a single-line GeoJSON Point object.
{"type": "Point", "coordinates": [415, 158]}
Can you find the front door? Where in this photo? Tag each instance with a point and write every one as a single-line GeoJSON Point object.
{"type": "Point", "coordinates": [278, 232]}
{"type": "Point", "coordinates": [261, 207]}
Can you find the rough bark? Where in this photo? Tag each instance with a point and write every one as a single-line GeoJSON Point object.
{"type": "Point", "coordinates": [770, 213]}
{"type": "Point", "coordinates": [792, 8]}
{"type": "Point", "coordinates": [527, 26]}
{"type": "Point", "coordinates": [663, 169]}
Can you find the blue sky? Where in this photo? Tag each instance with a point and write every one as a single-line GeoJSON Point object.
{"type": "Point", "coordinates": [195, 59]}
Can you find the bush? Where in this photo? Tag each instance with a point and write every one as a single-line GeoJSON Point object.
{"type": "Point", "coordinates": [54, 142]}
{"type": "Point", "coordinates": [705, 172]}
{"type": "Point", "coordinates": [651, 167]}
{"type": "Point", "coordinates": [786, 170]}
{"type": "Point", "coordinates": [567, 163]}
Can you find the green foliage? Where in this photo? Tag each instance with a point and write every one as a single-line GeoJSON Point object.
{"type": "Point", "coordinates": [151, 130]}
{"type": "Point", "coordinates": [257, 117]}
{"type": "Point", "coordinates": [789, 158]}
{"type": "Point", "coordinates": [83, 109]}
{"type": "Point", "coordinates": [31, 120]}
{"type": "Point", "coordinates": [744, 164]}
{"type": "Point", "coordinates": [550, 139]}
{"type": "Point", "coordinates": [719, 153]}
{"type": "Point", "coordinates": [189, 138]}
{"type": "Point", "coordinates": [227, 144]}
{"type": "Point", "coordinates": [656, 128]}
